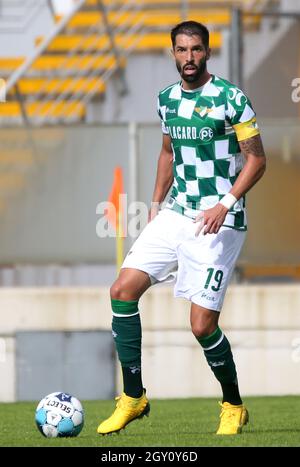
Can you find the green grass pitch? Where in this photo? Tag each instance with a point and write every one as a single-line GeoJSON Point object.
{"type": "Point", "coordinates": [274, 421]}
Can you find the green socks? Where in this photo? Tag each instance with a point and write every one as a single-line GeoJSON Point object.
{"type": "Point", "coordinates": [127, 333]}
{"type": "Point", "coordinates": [218, 354]}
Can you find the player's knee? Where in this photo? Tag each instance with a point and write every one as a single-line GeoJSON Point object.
{"type": "Point", "coordinates": [116, 291]}
{"type": "Point", "coordinates": [119, 291]}
{"type": "Point", "coordinates": [203, 329]}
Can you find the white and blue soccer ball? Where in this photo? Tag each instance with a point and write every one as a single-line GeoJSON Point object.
{"type": "Point", "coordinates": [59, 415]}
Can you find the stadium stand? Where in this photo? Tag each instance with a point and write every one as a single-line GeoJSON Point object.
{"type": "Point", "coordinates": [92, 45]}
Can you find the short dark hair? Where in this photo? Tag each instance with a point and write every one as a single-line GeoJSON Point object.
{"type": "Point", "coordinates": [191, 28]}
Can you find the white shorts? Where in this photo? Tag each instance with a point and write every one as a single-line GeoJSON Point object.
{"type": "Point", "coordinates": [167, 249]}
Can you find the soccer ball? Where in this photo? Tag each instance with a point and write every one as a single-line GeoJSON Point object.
{"type": "Point", "coordinates": [59, 415]}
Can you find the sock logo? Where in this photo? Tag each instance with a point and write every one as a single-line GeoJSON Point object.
{"type": "Point", "coordinates": [135, 369]}
{"type": "Point", "coordinates": [220, 363]}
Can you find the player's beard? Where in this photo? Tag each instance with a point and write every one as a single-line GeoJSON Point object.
{"type": "Point", "coordinates": [200, 69]}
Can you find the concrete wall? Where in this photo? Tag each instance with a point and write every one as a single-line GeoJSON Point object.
{"type": "Point", "coordinates": [53, 218]}
{"type": "Point", "coordinates": [262, 323]}
{"type": "Point", "coordinates": [270, 83]}
{"type": "Point", "coordinates": [273, 227]}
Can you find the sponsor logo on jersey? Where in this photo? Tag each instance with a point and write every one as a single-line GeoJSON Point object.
{"type": "Point", "coordinates": [206, 134]}
{"type": "Point", "coordinates": [190, 132]}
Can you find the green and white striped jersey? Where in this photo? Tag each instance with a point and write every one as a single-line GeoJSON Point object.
{"type": "Point", "coordinates": [205, 126]}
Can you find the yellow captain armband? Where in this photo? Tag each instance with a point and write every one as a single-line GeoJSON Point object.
{"type": "Point", "coordinates": [246, 130]}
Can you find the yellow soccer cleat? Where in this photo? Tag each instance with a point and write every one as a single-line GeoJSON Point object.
{"type": "Point", "coordinates": [127, 410]}
{"type": "Point", "coordinates": [233, 418]}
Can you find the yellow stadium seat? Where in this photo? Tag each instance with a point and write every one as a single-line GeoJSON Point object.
{"type": "Point", "coordinates": [151, 18]}
{"type": "Point", "coordinates": [165, 18]}
{"type": "Point", "coordinates": [57, 86]}
{"type": "Point", "coordinates": [154, 40]}
{"type": "Point", "coordinates": [19, 157]}
{"type": "Point", "coordinates": [149, 3]}
{"type": "Point", "coordinates": [46, 63]}
{"type": "Point", "coordinates": [8, 65]}
{"type": "Point", "coordinates": [63, 109]}
{"type": "Point", "coordinates": [75, 62]}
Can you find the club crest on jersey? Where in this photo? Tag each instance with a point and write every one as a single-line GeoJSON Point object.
{"type": "Point", "coordinates": [202, 111]}
{"type": "Point", "coordinates": [206, 134]}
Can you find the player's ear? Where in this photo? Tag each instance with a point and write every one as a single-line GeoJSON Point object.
{"type": "Point", "coordinates": [208, 53]}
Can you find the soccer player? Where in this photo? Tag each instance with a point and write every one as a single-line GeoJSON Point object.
{"type": "Point", "coordinates": [211, 155]}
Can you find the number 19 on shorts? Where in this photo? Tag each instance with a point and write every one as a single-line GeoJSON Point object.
{"type": "Point", "coordinates": [214, 279]}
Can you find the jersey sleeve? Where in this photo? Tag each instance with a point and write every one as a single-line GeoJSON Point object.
{"type": "Point", "coordinates": [161, 110]}
{"type": "Point", "coordinates": [240, 114]}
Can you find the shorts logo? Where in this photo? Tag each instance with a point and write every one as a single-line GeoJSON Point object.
{"type": "Point", "coordinates": [206, 134]}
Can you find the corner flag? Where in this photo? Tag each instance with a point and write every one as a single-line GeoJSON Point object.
{"type": "Point", "coordinates": [114, 213]}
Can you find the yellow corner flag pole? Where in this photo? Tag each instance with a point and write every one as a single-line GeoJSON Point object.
{"type": "Point", "coordinates": [119, 240]}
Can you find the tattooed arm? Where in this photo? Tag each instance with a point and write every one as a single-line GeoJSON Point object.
{"type": "Point", "coordinates": [254, 168]}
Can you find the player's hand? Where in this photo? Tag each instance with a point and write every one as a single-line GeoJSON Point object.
{"type": "Point", "coordinates": [153, 211]}
{"type": "Point", "coordinates": [200, 221]}
{"type": "Point", "coordinates": [211, 220]}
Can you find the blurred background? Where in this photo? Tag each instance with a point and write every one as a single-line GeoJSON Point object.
{"type": "Point", "coordinates": [78, 87]}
